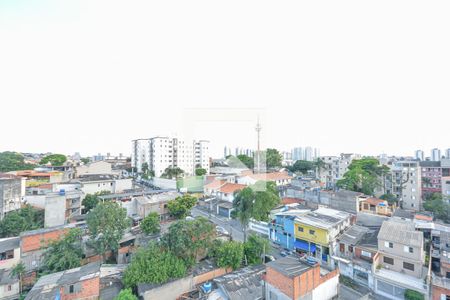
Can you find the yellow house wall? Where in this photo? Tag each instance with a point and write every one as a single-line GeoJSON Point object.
{"type": "Point", "coordinates": [320, 235]}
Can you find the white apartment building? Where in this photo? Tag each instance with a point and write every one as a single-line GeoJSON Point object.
{"type": "Point", "coordinates": [163, 152]}
{"type": "Point", "coordinates": [420, 155]}
{"type": "Point", "coordinates": [435, 154]}
{"type": "Point", "coordinates": [406, 183]}
{"type": "Point", "coordinates": [140, 153]}
{"type": "Point", "coordinates": [336, 167]}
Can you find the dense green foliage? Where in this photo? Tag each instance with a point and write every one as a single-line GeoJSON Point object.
{"type": "Point", "coordinates": [302, 166]}
{"type": "Point", "coordinates": [17, 272]}
{"type": "Point", "coordinates": [273, 158]}
{"type": "Point", "coordinates": [255, 202]}
{"type": "Point", "coordinates": [230, 254]}
{"type": "Point", "coordinates": [150, 224]}
{"type": "Point", "coordinates": [190, 240]}
{"type": "Point", "coordinates": [91, 200]}
{"type": "Point", "coordinates": [54, 159]}
{"type": "Point", "coordinates": [255, 247]}
{"type": "Point", "coordinates": [413, 295]}
{"type": "Point", "coordinates": [180, 207]}
{"type": "Point", "coordinates": [438, 206]}
{"type": "Point", "coordinates": [85, 160]}
{"type": "Point", "coordinates": [107, 223]}
{"type": "Point", "coordinates": [171, 173]}
{"type": "Point", "coordinates": [153, 265]}
{"type": "Point", "coordinates": [64, 254]}
{"type": "Point", "coordinates": [363, 175]}
{"type": "Point", "coordinates": [126, 294]}
{"type": "Point", "coordinates": [200, 172]}
{"type": "Point", "coordinates": [13, 161]}
{"type": "Point", "coordinates": [246, 160]}
{"type": "Point", "coordinates": [26, 218]}
{"type": "Point", "coordinates": [391, 198]}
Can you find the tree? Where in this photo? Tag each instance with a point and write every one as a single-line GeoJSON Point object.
{"type": "Point", "coordinates": [64, 254]}
{"type": "Point", "coordinates": [24, 219]}
{"type": "Point", "coordinates": [18, 271]}
{"type": "Point", "coordinates": [439, 207]}
{"type": "Point", "coordinates": [190, 240]}
{"type": "Point", "coordinates": [363, 175]}
{"type": "Point", "coordinates": [85, 160]}
{"type": "Point", "coordinates": [255, 202]}
{"type": "Point", "coordinates": [153, 265]}
{"type": "Point", "coordinates": [230, 254]}
{"type": "Point", "coordinates": [302, 166]}
{"type": "Point", "coordinates": [13, 161]}
{"type": "Point", "coordinates": [91, 200]}
{"type": "Point", "coordinates": [107, 223]}
{"type": "Point", "coordinates": [54, 160]}
{"type": "Point", "coordinates": [172, 172]}
{"type": "Point", "coordinates": [255, 247]}
{"type": "Point", "coordinates": [181, 206]}
{"type": "Point", "coordinates": [126, 294]}
{"type": "Point", "coordinates": [236, 162]}
{"type": "Point", "coordinates": [246, 160]}
{"type": "Point", "coordinates": [320, 165]}
{"type": "Point", "coordinates": [273, 158]}
{"type": "Point", "coordinates": [413, 295]}
{"type": "Point", "coordinates": [200, 172]}
{"type": "Point", "coordinates": [391, 198]}
{"type": "Point", "coordinates": [150, 224]}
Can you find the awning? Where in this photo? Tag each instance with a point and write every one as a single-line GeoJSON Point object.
{"type": "Point", "coordinates": [303, 245]}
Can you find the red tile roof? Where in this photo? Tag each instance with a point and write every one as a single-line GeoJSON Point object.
{"type": "Point", "coordinates": [270, 176]}
{"type": "Point", "coordinates": [215, 184]}
{"type": "Point", "coordinates": [228, 188]}
{"type": "Point", "coordinates": [374, 201]}
{"type": "Point", "coordinates": [288, 200]}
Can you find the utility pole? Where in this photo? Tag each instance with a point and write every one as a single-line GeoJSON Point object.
{"type": "Point", "coordinates": [258, 153]}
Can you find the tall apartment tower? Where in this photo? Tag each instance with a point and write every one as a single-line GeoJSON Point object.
{"type": "Point", "coordinates": [435, 154]}
{"type": "Point", "coordinates": [163, 152]}
{"type": "Point", "coordinates": [420, 155]}
{"type": "Point", "coordinates": [140, 151]}
{"type": "Point", "coordinates": [407, 183]}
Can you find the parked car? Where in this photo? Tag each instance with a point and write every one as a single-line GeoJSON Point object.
{"type": "Point", "coordinates": [221, 230]}
{"type": "Point", "coordinates": [284, 253]}
{"type": "Point", "coordinates": [268, 258]}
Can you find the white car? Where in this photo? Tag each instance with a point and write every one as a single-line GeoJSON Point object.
{"type": "Point", "coordinates": [222, 230]}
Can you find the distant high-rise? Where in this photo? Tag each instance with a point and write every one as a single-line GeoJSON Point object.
{"type": "Point", "coordinates": [447, 153]}
{"type": "Point", "coordinates": [435, 154]}
{"type": "Point", "coordinates": [420, 155]}
{"type": "Point", "coordinates": [297, 154]}
{"type": "Point", "coordinates": [307, 153]}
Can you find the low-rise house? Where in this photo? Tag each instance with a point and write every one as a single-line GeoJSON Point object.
{"type": "Point", "coordinates": [282, 229]}
{"type": "Point", "coordinates": [316, 232]}
{"type": "Point", "coordinates": [34, 177]}
{"type": "Point", "coordinates": [280, 178]}
{"type": "Point", "coordinates": [440, 262]}
{"type": "Point", "coordinates": [9, 286]}
{"type": "Point", "coordinates": [95, 183]}
{"type": "Point", "coordinates": [59, 206]}
{"type": "Point", "coordinates": [375, 206]}
{"type": "Point", "coordinates": [292, 278]}
{"type": "Point", "coordinates": [400, 264]}
{"type": "Point", "coordinates": [9, 252]}
{"type": "Point", "coordinates": [96, 167]}
{"type": "Point", "coordinates": [111, 280]}
{"type": "Point", "coordinates": [78, 283]}
{"type": "Point", "coordinates": [358, 247]}
{"type": "Point", "coordinates": [12, 189]}
{"type": "Point", "coordinates": [155, 203]}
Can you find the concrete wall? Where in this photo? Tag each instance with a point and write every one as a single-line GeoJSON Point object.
{"type": "Point", "coordinates": [12, 294]}
{"type": "Point", "coordinates": [326, 290]}
{"type": "Point", "coordinates": [171, 290]}
{"type": "Point", "coordinates": [100, 167]}
{"type": "Point", "coordinates": [164, 183]}
{"type": "Point", "coordinates": [55, 211]}
{"type": "Point", "coordinates": [123, 184]}
{"type": "Point", "coordinates": [9, 263]}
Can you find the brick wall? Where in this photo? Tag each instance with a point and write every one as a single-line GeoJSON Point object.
{"type": "Point", "coordinates": [210, 275]}
{"type": "Point", "coordinates": [281, 282]}
{"type": "Point", "coordinates": [437, 291]}
{"type": "Point", "coordinates": [41, 240]}
{"type": "Point", "coordinates": [90, 289]}
{"type": "Point", "coordinates": [306, 282]}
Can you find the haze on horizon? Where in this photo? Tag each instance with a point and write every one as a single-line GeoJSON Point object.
{"type": "Point", "coordinates": [90, 76]}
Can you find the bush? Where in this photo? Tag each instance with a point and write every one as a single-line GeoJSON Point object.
{"type": "Point", "coordinates": [230, 254]}
{"type": "Point", "coordinates": [413, 295]}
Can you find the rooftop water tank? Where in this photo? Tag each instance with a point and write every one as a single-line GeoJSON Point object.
{"type": "Point", "coordinates": [206, 287]}
{"type": "Point", "coordinates": [62, 192]}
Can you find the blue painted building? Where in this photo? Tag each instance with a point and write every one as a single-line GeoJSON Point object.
{"type": "Point", "coordinates": [282, 230]}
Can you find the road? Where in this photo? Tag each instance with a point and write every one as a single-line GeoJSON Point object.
{"type": "Point", "coordinates": [232, 226]}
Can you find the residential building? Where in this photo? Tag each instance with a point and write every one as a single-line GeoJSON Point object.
{"type": "Point", "coordinates": [94, 183]}
{"type": "Point", "coordinates": [431, 178]}
{"type": "Point", "coordinates": [59, 207]}
{"type": "Point", "coordinates": [98, 167]}
{"type": "Point", "coordinates": [37, 177]}
{"type": "Point", "coordinates": [12, 189]}
{"type": "Point", "coordinates": [244, 283]}
{"type": "Point", "coordinates": [447, 153]}
{"type": "Point", "coordinates": [282, 227]}
{"type": "Point", "coordinates": [407, 184]}
{"type": "Point", "coordinates": [155, 203]}
{"type": "Point", "coordinates": [435, 154]}
{"type": "Point", "coordinates": [78, 283]}
{"type": "Point", "coordinates": [9, 285]}
{"type": "Point", "coordinates": [358, 247]}
{"type": "Point", "coordinates": [286, 158]}
{"type": "Point", "coordinates": [420, 155]}
{"type": "Point", "coordinates": [293, 278]}
{"type": "Point", "coordinates": [400, 264]}
{"type": "Point", "coordinates": [440, 262]}
{"type": "Point", "coordinates": [140, 153]}
{"type": "Point", "coordinates": [335, 168]}
{"type": "Point", "coordinates": [161, 153]}
{"type": "Point", "coordinates": [445, 185]}
{"type": "Point", "coordinates": [376, 206]}
{"type": "Point", "coordinates": [9, 252]}
{"type": "Point", "coordinates": [280, 178]}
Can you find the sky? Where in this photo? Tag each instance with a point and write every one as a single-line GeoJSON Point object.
{"type": "Point", "coordinates": [366, 77]}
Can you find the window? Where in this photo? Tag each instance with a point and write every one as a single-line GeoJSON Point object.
{"type": "Point", "coordinates": [388, 260]}
{"type": "Point", "coordinates": [7, 255]}
{"type": "Point", "coordinates": [350, 249]}
{"type": "Point", "coordinates": [300, 229]}
{"type": "Point", "coordinates": [408, 249]}
{"type": "Point", "coordinates": [9, 288]}
{"type": "Point", "coordinates": [71, 289]}
{"type": "Point", "coordinates": [312, 232]}
{"type": "Point", "coordinates": [408, 266]}
{"type": "Point", "coordinates": [388, 245]}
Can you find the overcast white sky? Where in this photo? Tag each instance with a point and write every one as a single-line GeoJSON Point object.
{"type": "Point", "coordinates": [344, 76]}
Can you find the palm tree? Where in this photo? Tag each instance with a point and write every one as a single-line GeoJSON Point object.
{"type": "Point", "coordinates": [18, 271]}
{"type": "Point", "coordinates": [243, 208]}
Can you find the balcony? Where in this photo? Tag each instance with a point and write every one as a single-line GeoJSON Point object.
{"type": "Point", "coordinates": [403, 280]}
